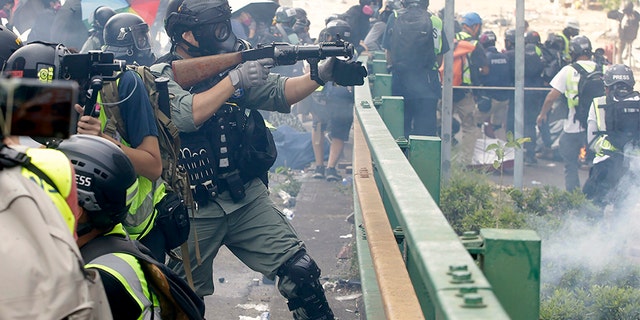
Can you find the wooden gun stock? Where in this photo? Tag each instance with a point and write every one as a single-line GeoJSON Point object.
{"type": "Point", "coordinates": [188, 72]}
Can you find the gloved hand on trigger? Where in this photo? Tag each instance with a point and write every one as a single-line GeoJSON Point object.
{"type": "Point", "coordinates": [251, 73]}
{"type": "Point", "coordinates": [344, 73]}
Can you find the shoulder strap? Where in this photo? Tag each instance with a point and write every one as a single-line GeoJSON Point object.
{"type": "Point", "coordinates": [580, 69]}
{"type": "Point", "coordinates": [110, 97]}
{"type": "Point", "coordinates": [12, 157]}
{"type": "Point", "coordinates": [110, 244]}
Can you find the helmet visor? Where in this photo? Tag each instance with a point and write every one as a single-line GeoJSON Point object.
{"type": "Point", "coordinates": [139, 36]}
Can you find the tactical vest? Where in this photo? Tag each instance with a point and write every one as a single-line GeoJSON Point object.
{"type": "Point", "coordinates": [127, 270]}
{"type": "Point", "coordinates": [142, 213]}
{"type": "Point", "coordinates": [618, 122]}
{"type": "Point", "coordinates": [211, 155]}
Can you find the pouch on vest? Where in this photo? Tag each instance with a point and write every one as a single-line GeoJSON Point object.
{"type": "Point", "coordinates": [173, 220]}
{"type": "Point", "coordinates": [259, 151]}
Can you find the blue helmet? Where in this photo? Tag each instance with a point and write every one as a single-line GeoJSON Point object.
{"type": "Point", "coordinates": [471, 19]}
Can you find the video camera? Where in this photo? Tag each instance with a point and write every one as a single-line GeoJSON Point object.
{"type": "Point", "coordinates": [82, 67]}
{"type": "Point", "coordinates": [37, 109]}
{"type": "Point", "coordinates": [90, 70]}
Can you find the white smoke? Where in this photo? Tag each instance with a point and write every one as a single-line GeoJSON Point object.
{"type": "Point", "coordinates": [593, 244]}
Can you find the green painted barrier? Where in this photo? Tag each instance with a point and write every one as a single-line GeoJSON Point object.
{"type": "Point", "coordinates": [424, 156]}
{"type": "Point", "coordinates": [450, 282]}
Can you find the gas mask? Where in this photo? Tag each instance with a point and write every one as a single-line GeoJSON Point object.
{"type": "Point", "coordinates": [215, 38]}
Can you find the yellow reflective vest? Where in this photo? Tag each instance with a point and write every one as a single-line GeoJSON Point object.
{"type": "Point", "coordinates": [57, 167]}
{"type": "Point", "coordinates": [142, 213]}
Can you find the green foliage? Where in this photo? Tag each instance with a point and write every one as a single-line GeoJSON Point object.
{"type": "Point", "coordinates": [500, 148]}
{"type": "Point", "coordinates": [285, 180]}
{"type": "Point", "coordinates": [611, 4]}
{"type": "Point", "coordinates": [563, 304]}
{"type": "Point", "coordinates": [471, 201]}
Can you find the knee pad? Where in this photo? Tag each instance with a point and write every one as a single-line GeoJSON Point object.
{"type": "Point", "coordinates": [305, 273]}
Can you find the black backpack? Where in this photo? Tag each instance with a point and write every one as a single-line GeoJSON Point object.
{"type": "Point", "coordinates": [177, 299]}
{"type": "Point", "coordinates": [552, 54]}
{"type": "Point", "coordinates": [590, 86]}
{"type": "Point", "coordinates": [412, 46]}
{"type": "Point", "coordinates": [533, 61]}
{"type": "Point", "coordinates": [622, 119]}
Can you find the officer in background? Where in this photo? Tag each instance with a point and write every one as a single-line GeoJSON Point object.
{"type": "Point", "coordinates": [613, 132]}
{"type": "Point", "coordinates": [414, 70]}
{"type": "Point", "coordinates": [126, 35]}
{"type": "Point", "coordinates": [105, 200]}
{"type": "Point", "coordinates": [98, 19]}
{"type": "Point", "coordinates": [234, 208]}
{"type": "Point", "coordinates": [282, 29]}
{"type": "Point", "coordinates": [571, 29]}
{"type": "Point", "coordinates": [533, 99]}
{"type": "Point", "coordinates": [493, 104]}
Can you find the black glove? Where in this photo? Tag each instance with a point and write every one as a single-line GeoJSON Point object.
{"type": "Point", "coordinates": [344, 73]}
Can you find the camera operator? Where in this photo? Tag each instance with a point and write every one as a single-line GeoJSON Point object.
{"type": "Point", "coordinates": [43, 61]}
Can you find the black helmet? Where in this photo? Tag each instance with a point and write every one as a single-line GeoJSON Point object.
{"type": "Point", "coordinates": [106, 180]}
{"type": "Point", "coordinates": [9, 43]}
{"type": "Point", "coordinates": [406, 3]}
{"type": "Point", "coordinates": [339, 28]}
{"type": "Point", "coordinates": [579, 46]}
{"type": "Point", "coordinates": [38, 60]}
{"type": "Point", "coordinates": [302, 21]}
{"type": "Point", "coordinates": [488, 39]}
{"type": "Point", "coordinates": [209, 20]}
{"type": "Point", "coordinates": [619, 73]}
{"type": "Point", "coordinates": [126, 35]}
{"type": "Point", "coordinates": [331, 18]}
{"type": "Point", "coordinates": [510, 38]}
{"type": "Point", "coordinates": [99, 17]}
{"type": "Point", "coordinates": [532, 37]}
{"type": "Point", "coordinates": [285, 15]}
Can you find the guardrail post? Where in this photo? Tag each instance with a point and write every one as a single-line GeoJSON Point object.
{"type": "Point", "coordinates": [379, 66]}
{"type": "Point", "coordinates": [391, 110]}
{"type": "Point", "coordinates": [511, 262]}
{"type": "Point", "coordinates": [381, 86]}
{"type": "Point", "coordinates": [424, 155]}
{"type": "Point", "coordinates": [379, 55]}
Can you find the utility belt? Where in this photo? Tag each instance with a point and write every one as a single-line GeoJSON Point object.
{"type": "Point", "coordinates": [233, 182]}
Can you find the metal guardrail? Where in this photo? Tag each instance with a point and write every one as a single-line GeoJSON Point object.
{"type": "Point", "coordinates": [445, 279]}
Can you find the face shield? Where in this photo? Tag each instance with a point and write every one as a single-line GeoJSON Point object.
{"type": "Point", "coordinates": [134, 47]}
{"type": "Point", "coordinates": [139, 36]}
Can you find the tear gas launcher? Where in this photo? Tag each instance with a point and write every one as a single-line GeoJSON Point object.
{"type": "Point", "coordinates": [189, 72]}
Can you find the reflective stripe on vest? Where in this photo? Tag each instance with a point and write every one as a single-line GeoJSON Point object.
{"type": "Point", "coordinates": [466, 68]}
{"type": "Point", "coordinates": [601, 145]}
{"type": "Point", "coordinates": [142, 213]}
{"type": "Point", "coordinates": [573, 79]}
{"type": "Point", "coordinates": [566, 54]}
{"type": "Point", "coordinates": [127, 270]}
{"type": "Point", "coordinates": [437, 37]}
{"type": "Point", "coordinates": [57, 167]}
